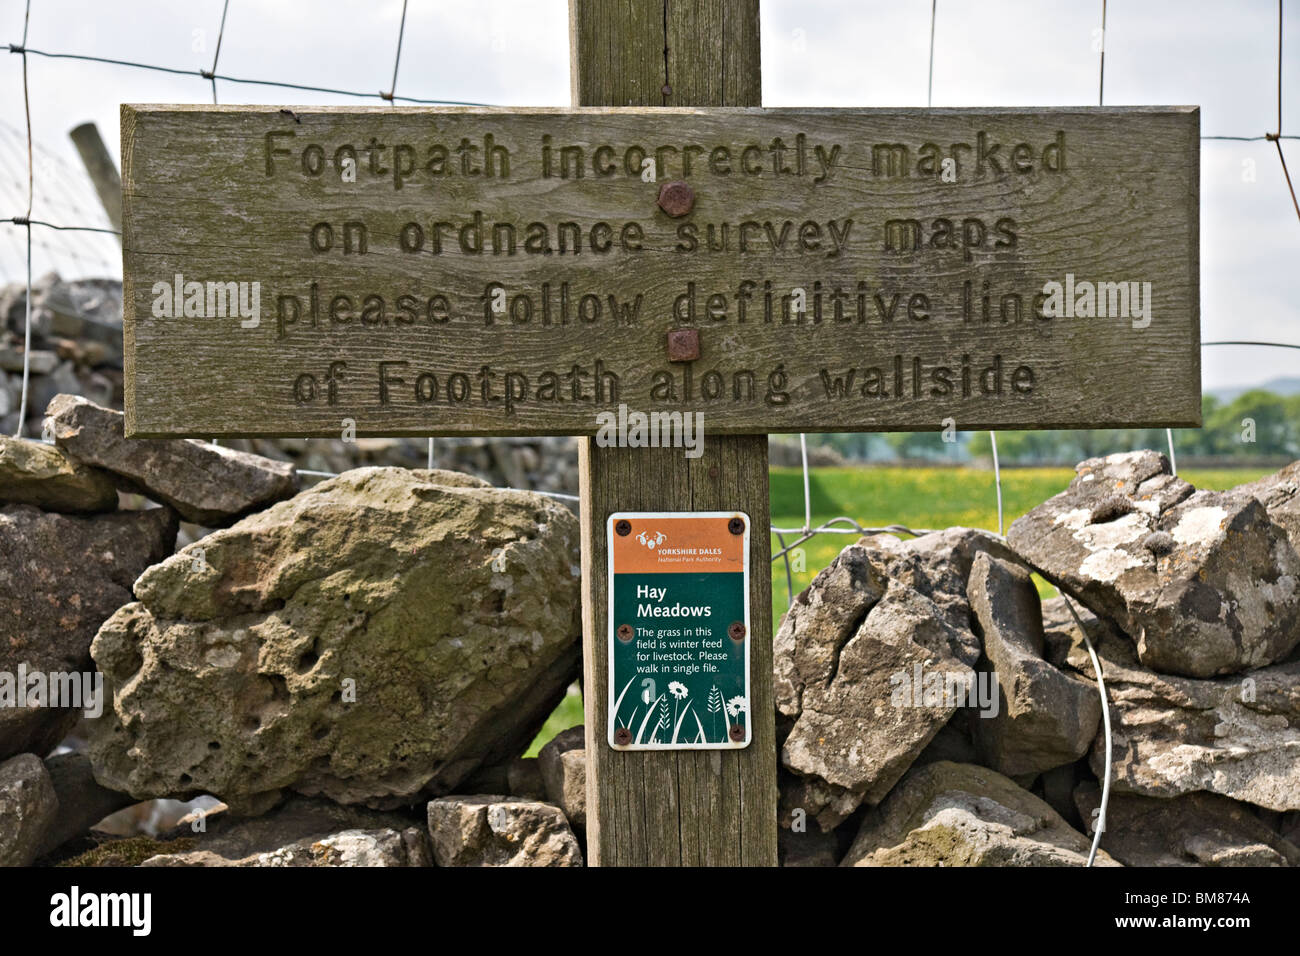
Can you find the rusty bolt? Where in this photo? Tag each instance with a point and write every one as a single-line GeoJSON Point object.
{"type": "Point", "coordinates": [736, 631]}
{"type": "Point", "coordinates": [737, 733]}
{"type": "Point", "coordinates": [625, 632]}
{"type": "Point", "coordinates": [683, 345]}
{"type": "Point", "coordinates": [623, 527]}
{"type": "Point", "coordinates": [736, 525]}
{"type": "Point", "coordinates": [676, 198]}
{"type": "Point", "coordinates": [622, 736]}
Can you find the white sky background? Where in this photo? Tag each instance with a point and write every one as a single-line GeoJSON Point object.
{"type": "Point", "coordinates": [1219, 55]}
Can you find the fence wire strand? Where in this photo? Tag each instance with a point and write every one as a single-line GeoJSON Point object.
{"type": "Point", "coordinates": [24, 49]}
{"type": "Point", "coordinates": [27, 225]}
{"type": "Point", "coordinates": [216, 54]}
{"type": "Point", "coordinates": [1277, 137]}
{"type": "Point", "coordinates": [401, 31]}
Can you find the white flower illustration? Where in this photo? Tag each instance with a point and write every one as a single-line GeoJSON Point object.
{"type": "Point", "coordinates": [677, 689]}
{"type": "Point", "coordinates": [737, 706]}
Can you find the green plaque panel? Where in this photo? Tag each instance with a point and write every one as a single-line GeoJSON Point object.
{"type": "Point", "coordinates": [679, 630]}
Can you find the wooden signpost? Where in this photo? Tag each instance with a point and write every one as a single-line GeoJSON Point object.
{"type": "Point", "coordinates": [490, 272]}
{"type": "Point", "coordinates": [495, 272]}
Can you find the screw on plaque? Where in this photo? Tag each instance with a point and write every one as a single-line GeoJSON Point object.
{"type": "Point", "coordinates": [676, 198]}
{"type": "Point", "coordinates": [683, 345]}
{"type": "Point", "coordinates": [622, 736]}
{"type": "Point", "coordinates": [623, 527]}
{"type": "Point", "coordinates": [737, 733]}
{"type": "Point", "coordinates": [625, 632]}
{"type": "Point", "coordinates": [736, 525]}
{"type": "Point", "coordinates": [736, 631]}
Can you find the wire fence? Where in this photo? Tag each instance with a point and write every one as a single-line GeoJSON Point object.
{"type": "Point", "coordinates": [840, 525]}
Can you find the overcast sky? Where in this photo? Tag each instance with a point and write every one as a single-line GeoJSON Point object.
{"type": "Point", "coordinates": [1221, 56]}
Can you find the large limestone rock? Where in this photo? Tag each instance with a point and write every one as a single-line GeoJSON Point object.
{"type": "Point", "coordinates": [375, 638]}
{"type": "Point", "coordinates": [346, 848]}
{"type": "Point", "coordinates": [857, 658]}
{"type": "Point", "coordinates": [86, 310]}
{"type": "Point", "coordinates": [518, 776]}
{"type": "Point", "coordinates": [500, 831]}
{"type": "Point", "coordinates": [1205, 582]}
{"type": "Point", "coordinates": [28, 806]}
{"type": "Point", "coordinates": [1280, 495]}
{"type": "Point", "coordinates": [951, 814]}
{"type": "Point", "coordinates": [34, 473]}
{"type": "Point", "coordinates": [1235, 736]}
{"type": "Point", "coordinates": [563, 763]}
{"type": "Point", "coordinates": [60, 578]}
{"type": "Point", "coordinates": [40, 361]}
{"type": "Point", "coordinates": [1199, 829]}
{"type": "Point", "coordinates": [208, 484]}
{"type": "Point", "coordinates": [827, 613]}
{"type": "Point", "coordinates": [82, 801]}
{"type": "Point", "coordinates": [1045, 717]}
{"type": "Point", "coordinates": [820, 622]}
{"type": "Point", "coordinates": [303, 833]}
{"type": "Point", "coordinates": [939, 564]}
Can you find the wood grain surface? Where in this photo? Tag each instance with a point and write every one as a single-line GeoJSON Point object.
{"type": "Point", "coordinates": [402, 339]}
{"type": "Point", "coordinates": [686, 807]}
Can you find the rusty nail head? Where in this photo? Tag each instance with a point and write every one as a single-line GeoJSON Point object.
{"type": "Point", "coordinates": [683, 345]}
{"type": "Point", "coordinates": [736, 631]}
{"type": "Point", "coordinates": [737, 733]}
{"type": "Point", "coordinates": [666, 90]}
{"type": "Point", "coordinates": [623, 527]}
{"type": "Point", "coordinates": [623, 736]}
{"type": "Point", "coordinates": [736, 525]}
{"type": "Point", "coordinates": [625, 632]}
{"type": "Point", "coordinates": [676, 198]}
{"type": "Point", "coordinates": [713, 471]}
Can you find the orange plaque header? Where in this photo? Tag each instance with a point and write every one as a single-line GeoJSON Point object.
{"type": "Point", "coordinates": [648, 544]}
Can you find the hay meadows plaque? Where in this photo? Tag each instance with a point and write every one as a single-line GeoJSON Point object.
{"type": "Point", "coordinates": [679, 630]}
{"type": "Point", "coordinates": [458, 271]}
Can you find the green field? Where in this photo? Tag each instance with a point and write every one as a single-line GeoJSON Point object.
{"type": "Point", "coordinates": [918, 498]}
{"type": "Point", "coordinates": [568, 714]}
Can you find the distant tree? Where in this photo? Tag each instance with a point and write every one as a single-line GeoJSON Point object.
{"type": "Point", "coordinates": [920, 445]}
{"type": "Point", "coordinates": [1272, 421]}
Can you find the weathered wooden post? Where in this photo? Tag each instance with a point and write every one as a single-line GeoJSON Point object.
{"type": "Point", "coordinates": [101, 169]}
{"type": "Point", "coordinates": [680, 807]}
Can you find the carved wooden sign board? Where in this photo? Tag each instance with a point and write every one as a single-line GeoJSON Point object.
{"type": "Point", "coordinates": [483, 271]}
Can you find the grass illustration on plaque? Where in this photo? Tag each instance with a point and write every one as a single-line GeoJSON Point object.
{"type": "Point", "coordinates": [662, 723]}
